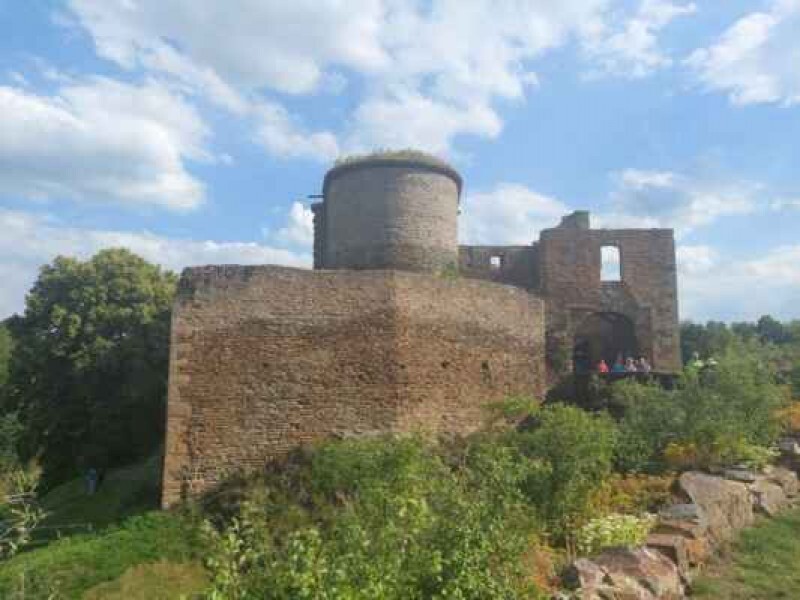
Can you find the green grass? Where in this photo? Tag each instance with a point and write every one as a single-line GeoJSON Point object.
{"type": "Point", "coordinates": [124, 492]}
{"type": "Point", "coordinates": [73, 565]}
{"type": "Point", "coordinates": [111, 544]}
{"type": "Point", "coordinates": [155, 581]}
{"type": "Point", "coordinates": [764, 564]}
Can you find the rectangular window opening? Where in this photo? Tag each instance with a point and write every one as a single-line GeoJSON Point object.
{"type": "Point", "coordinates": [610, 264]}
{"type": "Point", "coordinates": [496, 262]}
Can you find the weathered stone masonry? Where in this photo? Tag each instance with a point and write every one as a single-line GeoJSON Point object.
{"type": "Point", "coordinates": [380, 337]}
{"type": "Point", "coordinates": [266, 358]}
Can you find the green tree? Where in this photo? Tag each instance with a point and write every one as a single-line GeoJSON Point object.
{"type": "Point", "coordinates": [5, 356]}
{"type": "Point", "coordinates": [89, 369]}
{"type": "Point", "coordinates": [772, 330]}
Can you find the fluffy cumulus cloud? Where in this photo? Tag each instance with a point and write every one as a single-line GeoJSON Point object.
{"type": "Point", "coordinates": [429, 71]}
{"type": "Point", "coordinates": [755, 60]}
{"type": "Point", "coordinates": [101, 139]}
{"type": "Point", "coordinates": [31, 240]}
{"type": "Point", "coordinates": [630, 46]}
{"type": "Point", "coordinates": [716, 286]}
{"type": "Point", "coordinates": [643, 198]}
{"type": "Point", "coordinates": [298, 232]}
{"type": "Point", "coordinates": [509, 214]}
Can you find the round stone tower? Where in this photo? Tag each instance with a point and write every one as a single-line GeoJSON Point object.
{"type": "Point", "coordinates": [389, 212]}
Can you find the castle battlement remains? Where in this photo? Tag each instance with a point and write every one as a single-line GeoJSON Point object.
{"type": "Point", "coordinates": [397, 328]}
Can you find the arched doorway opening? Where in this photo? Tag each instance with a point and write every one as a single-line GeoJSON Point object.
{"type": "Point", "coordinates": [603, 335]}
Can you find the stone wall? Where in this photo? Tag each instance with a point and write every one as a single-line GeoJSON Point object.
{"type": "Point", "coordinates": [570, 271]}
{"type": "Point", "coordinates": [266, 358]}
{"type": "Point", "coordinates": [514, 265]}
{"type": "Point", "coordinates": [389, 215]}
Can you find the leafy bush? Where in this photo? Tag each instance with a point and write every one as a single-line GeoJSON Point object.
{"type": "Point", "coordinates": [717, 416]}
{"type": "Point", "coordinates": [790, 418]}
{"type": "Point", "coordinates": [632, 494]}
{"type": "Point", "coordinates": [653, 417]}
{"type": "Point", "coordinates": [572, 452]}
{"type": "Point", "coordinates": [20, 513]}
{"type": "Point", "coordinates": [383, 518]}
{"type": "Point", "coordinates": [613, 530]}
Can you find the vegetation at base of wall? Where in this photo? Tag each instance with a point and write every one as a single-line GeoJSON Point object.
{"type": "Point", "coordinates": [382, 518]}
{"type": "Point", "coordinates": [762, 563]}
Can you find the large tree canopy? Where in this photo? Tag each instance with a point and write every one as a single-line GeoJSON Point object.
{"type": "Point", "coordinates": [89, 368]}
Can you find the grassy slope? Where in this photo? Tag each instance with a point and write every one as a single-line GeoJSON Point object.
{"type": "Point", "coordinates": [764, 564]}
{"type": "Point", "coordinates": [125, 492]}
{"type": "Point", "coordinates": [126, 540]}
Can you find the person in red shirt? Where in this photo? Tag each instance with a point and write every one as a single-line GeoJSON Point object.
{"type": "Point", "coordinates": [602, 367]}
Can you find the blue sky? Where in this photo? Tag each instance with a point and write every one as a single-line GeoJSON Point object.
{"type": "Point", "coordinates": [192, 131]}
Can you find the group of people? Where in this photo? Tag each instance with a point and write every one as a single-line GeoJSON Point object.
{"type": "Point", "coordinates": [629, 365]}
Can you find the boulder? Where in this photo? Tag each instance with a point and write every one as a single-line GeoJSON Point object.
{"type": "Point", "coordinates": [687, 520]}
{"type": "Point", "coordinates": [786, 479]}
{"type": "Point", "coordinates": [585, 575]}
{"type": "Point", "coordinates": [789, 446]}
{"type": "Point", "coordinates": [627, 574]}
{"type": "Point", "coordinates": [768, 497]}
{"type": "Point", "coordinates": [739, 474]}
{"type": "Point", "coordinates": [646, 574]}
{"type": "Point", "coordinates": [673, 546]}
{"type": "Point", "coordinates": [726, 505]}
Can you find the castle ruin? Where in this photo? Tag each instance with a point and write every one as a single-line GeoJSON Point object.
{"type": "Point", "coordinates": [397, 328]}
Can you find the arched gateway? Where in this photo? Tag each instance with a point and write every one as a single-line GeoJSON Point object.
{"type": "Point", "coordinates": [603, 335]}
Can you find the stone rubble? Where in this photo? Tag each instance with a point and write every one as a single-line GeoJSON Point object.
{"type": "Point", "coordinates": [685, 534]}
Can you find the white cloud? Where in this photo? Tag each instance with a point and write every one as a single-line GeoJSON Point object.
{"type": "Point", "coordinates": [281, 136]}
{"type": "Point", "coordinates": [757, 59]}
{"type": "Point", "coordinates": [298, 231]}
{"type": "Point", "coordinates": [412, 120]}
{"type": "Point", "coordinates": [665, 199]}
{"type": "Point", "coordinates": [281, 45]}
{"type": "Point", "coordinates": [31, 240]}
{"type": "Point", "coordinates": [509, 214]}
{"type": "Point", "coordinates": [630, 48]}
{"type": "Point", "coordinates": [781, 204]}
{"type": "Point", "coordinates": [101, 140]}
{"type": "Point", "coordinates": [430, 71]}
{"type": "Point", "coordinates": [715, 286]}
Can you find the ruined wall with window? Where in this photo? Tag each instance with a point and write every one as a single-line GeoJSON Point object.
{"type": "Point", "coordinates": [571, 266]}
{"type": "Point", "coordinates": [511, 265]}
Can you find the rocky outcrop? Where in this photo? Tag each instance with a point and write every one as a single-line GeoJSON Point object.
{"type": "Point", "coordinates": [684, 536]}
{"type": "Point", "coordinates": [629, 573]}
{"type": "Point", "coordinates": [726, 505]}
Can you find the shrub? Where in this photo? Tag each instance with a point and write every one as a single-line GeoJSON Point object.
{"type": "Point", "coordinates": [385, 518]}
{"type": "Point", "coordinates": [572, 452]}
{"type": "Point", "coordinates": [717, 416]}
{"type": "Point", "coordinates": [613, 530]}
{"type": "Point", "coordinates": [790, 418]}
{"type": "Point", "coordinates": [632, 494]}
{"type": "Point", "coordinates": [652, 418]}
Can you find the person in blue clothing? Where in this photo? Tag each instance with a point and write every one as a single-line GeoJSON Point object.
{"type": "Point", "coordinates": [92, 477]}
{"type": "Point", "coordinates": [619, 366]}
